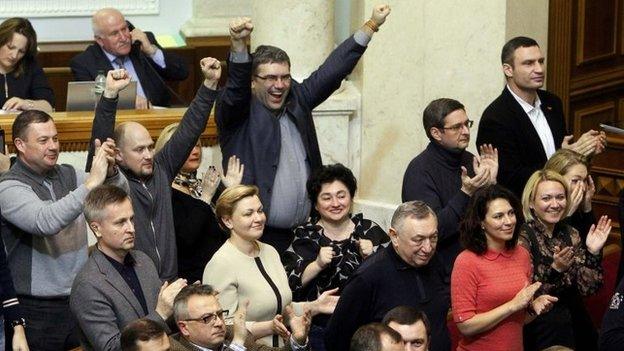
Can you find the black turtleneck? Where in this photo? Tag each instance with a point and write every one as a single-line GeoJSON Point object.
{"type": "Point", "coordinates": [434, 177]}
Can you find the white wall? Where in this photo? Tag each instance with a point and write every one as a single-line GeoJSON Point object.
{"type": "Point", "coordinates": [172, 14]}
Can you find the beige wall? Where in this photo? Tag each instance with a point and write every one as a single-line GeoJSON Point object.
{"type": "Point", "coordinates": [426, 50]}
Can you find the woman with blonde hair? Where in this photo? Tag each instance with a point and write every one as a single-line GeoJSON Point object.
{"type": "Point", "coordinates": [24, 85]}
{"type": "Point", "coordinates": [568, 266]}
{"type": "Point", "coordinates": [574, 168]}
{"type": "Point", "coordinates": [198, 235]}
{"type": "Point", "coordinates": [245, 269]}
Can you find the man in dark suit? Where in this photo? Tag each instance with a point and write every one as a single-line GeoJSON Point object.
{"type": "Point", "coordinates": [526, 124]}
{"type": "Point", "coordinates": [199, 317]}
{"type": "Point", "coordinates": [264, 117]}
{"type": "Point", "coordinates": [120, 45]}
{"type": "Point", "coordinates": [117, 285]}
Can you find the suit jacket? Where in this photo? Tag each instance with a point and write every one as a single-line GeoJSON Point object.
{"type": "Point", "coordinates": [103, 303]}
{"type": "Point", "coordinates": [179, 343]}
{"type": "Point", "coordinates": [250, 131]}
{"type": "Point", "coordinates": [505, 125]}
{"type": "Point", "coordinates": [85, 67]}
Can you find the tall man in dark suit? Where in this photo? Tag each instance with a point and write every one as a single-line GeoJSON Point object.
{"type": "Point", "coordinates": [119, 45]}
{"type": "Point", "coordinates": [117, 285]}
{"type": "Point", "coordinates": [265, 118]}
{"type": "Point", "coordinates": [526, 124]}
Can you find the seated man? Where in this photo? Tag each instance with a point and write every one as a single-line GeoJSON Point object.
{"type": "Point", "coordinates": [401, 274]}
{"type": "Point", "coordinates": [117, 285]}
{"type": "Point", "coordinates": [199, 317]}
{"type": "Point", "coordinates": [445, 174]}
{"type": "Point", "coordinates": [144, 335]}
{"type": "Point", "coordinates": [43, 230]}
{"type": "Point", "coordinates": [376, 337]}
{"type": "Point", "coordinates": [413, 326]}
{"type": "Point", "coordinates": [150, 175]}
{"type": "Point", "coordinates": [120, 45]}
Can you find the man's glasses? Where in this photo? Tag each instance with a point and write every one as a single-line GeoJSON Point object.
{"type": "Point", "coordinates": [209, 318]}
{"type": "Point", "coordinates": [457, 127]}
{"type": "Point", "coordinates": [272, 79]}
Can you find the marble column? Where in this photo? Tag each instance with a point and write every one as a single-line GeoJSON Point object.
{"type": "Point", "coordinates": [304, 29]}
{"type": "Point", "coordinates": [212, 17]}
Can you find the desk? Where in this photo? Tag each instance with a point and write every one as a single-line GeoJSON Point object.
{"type": "Point", "coordinates": [74, 128]}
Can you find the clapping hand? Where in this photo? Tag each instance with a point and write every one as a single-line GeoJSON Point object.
{"type": "Point", "coordinates": [234, 173]}
{"type": "Point", "coordinates": [488, 157]}
{"type": "Point", "coordinates": [543, 303]}
{"type": "Point", "coordinates": [168, 292]}
{"type": "Point", "coordinates": [240, 329]}
{"type": "Point", "coordinates": [525, 296]}
{"type": "Point", "coordinates": [470, 185]}
{"type": "Point", "coordinates": [325, 303]}
{"type": "Point", "coordinates": [598, 234]}
{"type": "Point", "coordinates": [562, 258]}
{"type": "Point", "coordinates": [299, 325]}
{"type": "Point", "coordinates": [210, 182]}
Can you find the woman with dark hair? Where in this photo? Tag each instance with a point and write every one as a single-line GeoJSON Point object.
{"type": "Point", "coordinates": [24, 85]}
{"type": "Point", "coordinates": [332, 244]}
{"type": "Point", "coordinates": [568, 266]}
{"type": "Point", "coordinates": [491, 290]}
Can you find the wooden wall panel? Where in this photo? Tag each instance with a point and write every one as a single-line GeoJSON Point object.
{"type": "Point", "coordinates": [597, 30]}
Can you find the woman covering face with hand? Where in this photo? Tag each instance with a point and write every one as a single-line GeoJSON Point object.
{"type": "Point", "coordinates": [492, 289]}
{"type": "Point", "coordinates": [24, 85]}
{"type": "Point", "coordinates": [568, 266]}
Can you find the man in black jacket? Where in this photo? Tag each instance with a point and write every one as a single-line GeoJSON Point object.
{"type": "Point", "coordinates": [526, 124]}
{"type": "Point", "coordinates": [265, 118]}
{"type": "Point", "coordinates": [120, 45]}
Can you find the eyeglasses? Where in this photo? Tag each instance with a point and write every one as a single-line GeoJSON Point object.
{"type": "Point", "coordinates": [210, 318]}
{"type": "Point", "coordinates": [457, 127]}
{"type": "Point", "coordinates": [272, 79]}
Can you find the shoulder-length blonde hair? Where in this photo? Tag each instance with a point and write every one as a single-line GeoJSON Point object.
{"type": "Point", "coordinates": [528, 195]}
{"type": "Point", "coordinates": [165, 135]}
{"type": "Point", "coordinates": [229, 198]}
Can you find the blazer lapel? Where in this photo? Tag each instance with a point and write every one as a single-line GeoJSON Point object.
{"type": "Point", "coordinates": [103, 62]}
{"type": "Point", "coordinates": [553, 121]}
{"type": "Point", "coordinates": [117, 282]}
{"type": "Point", "coordinates": [151, 295]}
{"type": "Point", "coordinates": [531, 139]}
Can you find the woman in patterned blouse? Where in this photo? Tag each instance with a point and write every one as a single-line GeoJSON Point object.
{"type": "Point", "coordinates": [568, 266]}
{"type": "Point", "coordinates": [332, 244]}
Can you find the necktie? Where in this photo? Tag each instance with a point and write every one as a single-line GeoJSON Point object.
{"type": "Point", "coordinates": [120, 62]}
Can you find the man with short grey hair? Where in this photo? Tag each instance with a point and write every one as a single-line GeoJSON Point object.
{"type": "Point", "coordinates": [401, 274]}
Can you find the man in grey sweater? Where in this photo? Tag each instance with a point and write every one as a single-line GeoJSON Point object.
{"type": "Point", "coordinates": [43, 227]}
{"type": "Point", "coordinates": [150, 175]}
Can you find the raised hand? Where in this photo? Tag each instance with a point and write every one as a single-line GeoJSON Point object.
{"type": "Point", "coordinates": [99, 167]}
{"type": "Point", "coordinates": [562, 258]}
{"type": "Point", "coordinates": [380, 13]}
{"type": "Point", "coordinates": [576, 197]}
{"type": "Point", "coordinates": [489, 158]}
{"type": "Point", "coordinates": [598, 234]}
{"type": "Point", "coordinates": [210, 182]}
{"type": "Point", "coordinates": [116, 81]}
{"type": "Point", "coordinates": [240, 28]}
{"type": "Point", "coordinates": [585, 145]}
{"type": "Point", "coordinates": [543, 303]}
{"type": "Point", "coordinates": [211, 68]}
{"type": "Point", "coordinates": [324, 258]}
{"type": "Point", "coordinates": [588, 195]}
{"type": "Point", "coordinates": [110, 150]}
{"type": "Point", "coordinates": [140, 36]}
{"type": "Point", "coordinates": [299, 325]}
{"type": "Point", "coordinates": [365, 247]}
{"type": "Point", "coordinates": [240, 329]}
{"type": "Point", "coordinates": [524, 296]}
{"type": "Point", "coordinates": [168, 292]}
{"type": "Point", "coordinates": [470, 185]}
{"type": "Point", "coordinates": [234, 173]}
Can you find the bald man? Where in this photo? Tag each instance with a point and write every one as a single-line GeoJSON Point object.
{"type": "Point", "coordinates": [150, 176]}
{"type": "Point", "coordinates": [120, 45]}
